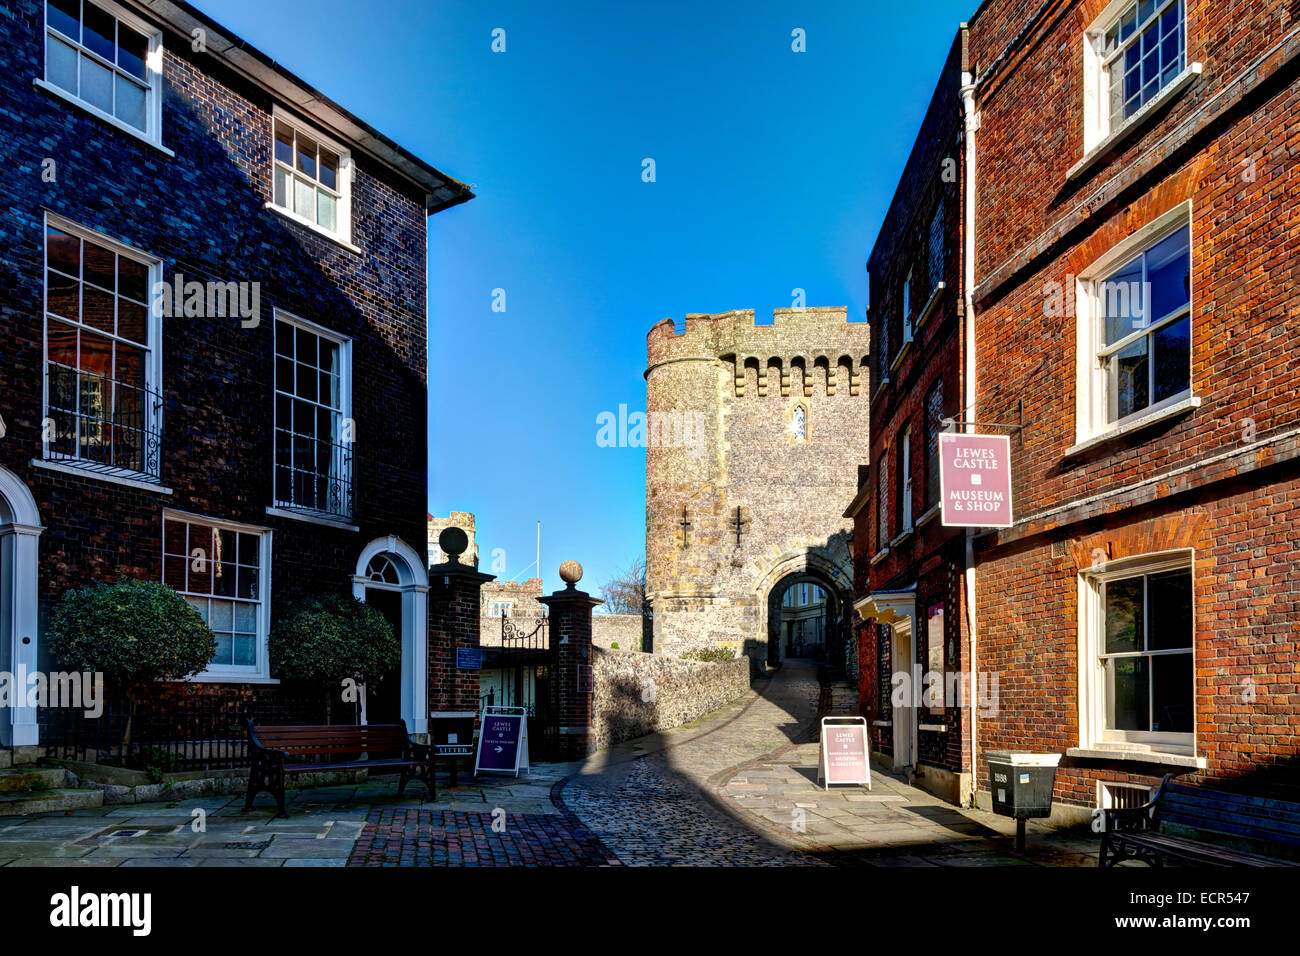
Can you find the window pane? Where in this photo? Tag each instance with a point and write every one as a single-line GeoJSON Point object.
{"type": "Point", "coordinates": [284, 144]}
{"type": "Point", "coordinates": [61, 295]}
{"type": "Point", "coordinates": [306, 384]}
{"type": "Point", "coordinates": [1173, 358]}
{"type": "Point", "coordinates": [132, 50]}
{"type": "Point", "coordinates": [61, 344]}
{"type": "Point", "coordinates": [1169, 600]}
{"type": "Point", "coordinates": [174, 538]}
{"type": "Point", "coordinates": [130, 103]}
{"type": "Point", "coordinates": [1124, 616]}
{"type": "Point", "coordinates": [65, 16]}
{"type": "Point", "coordinates": [97, 36]}
{"type": "Point", "coordinates": [247, 587]}
{"type": "Point", "coordinates": [63, 252]}
{"type": "Point", "coordinates": [201, 605]}
{"type": "Point", "coordinates": [329, 169]}
{"type": "Point", "coordinates": [304, 199]}
{"type": "Point", "coordinates": [1130, 382]}
{"type": "Point", "coordinates": [281, 187]}
{"type": "Point", "coordinates": [132, 279]}
{"type": "Point", "coordinates": [225, 650]}
{"type": "Point", "coordinates": [283, 338]}
{"type": "Point", "coordinates": [1172, 690]}
{"type": "Point", "coordinates": [61, 65]}
{"type": "Point", "coordinates": [97, 308]}
{"type": "Point", "coordinates": [223, 578]}
{"type": "Point", "coordinates": [1120, 296]}
{"type": "Point", "coordinates": [245, 650]}
{"type": "Point", "coordinates": [306, 155]}
{"type": "Point", "coordinates": [325, 210]}
{"type": "Point", "coordinates": [1169, 273]}
{"type": "Point", "coordinates": [174, 573]}
{"type": "Point", "coordinates": [96, 84]}
{"type": "Point", "coordinates": [222, 615]}
{"type": "Point", "coordinates": [100, 267]}
{"type": "Point", "coordinates": [248, 550]}
{"type": "Point", "coordinates": [1127, 705]}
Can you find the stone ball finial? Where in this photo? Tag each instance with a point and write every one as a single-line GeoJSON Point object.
{"type": "Point", "coordinates": [453, 541]}
{"type": "Point", "coordinates": [571, 573]}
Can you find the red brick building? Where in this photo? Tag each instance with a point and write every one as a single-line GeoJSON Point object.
{"type": "Point", "coordinates": [1134, 312]}
{"type": "Point", "coordinates": [214, 339]}
{"type": "Point", "coordinates": [1137, 298]}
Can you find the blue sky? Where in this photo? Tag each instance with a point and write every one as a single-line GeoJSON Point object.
{"type": "Point", "coordinates": [773, 172]}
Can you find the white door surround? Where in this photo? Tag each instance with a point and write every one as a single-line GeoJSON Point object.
{"type": "Point", "coordinates": [20, 530]}
{"type": "Point", "coordinates": [413, 585]}
{"type": "Point", "coordinates": [898, 609]}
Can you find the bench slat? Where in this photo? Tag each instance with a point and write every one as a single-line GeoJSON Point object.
{"type": "Point", "coordinates": [1195, 849]}
{"type": "Point", "coordinates": [1266, 805]}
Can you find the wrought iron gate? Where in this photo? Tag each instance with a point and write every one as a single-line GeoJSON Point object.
{"type": "Point", "coordinates": [523, 669]}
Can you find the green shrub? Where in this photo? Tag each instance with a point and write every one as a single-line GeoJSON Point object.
{"type": "Point", "coordinates": [712, 654]}
{"type": "Point", "coordinates": [613, 645]}
{"type": "Point", "coordinates": [329, 638]}
{"type": "Point", "coordinates": [133, 632]}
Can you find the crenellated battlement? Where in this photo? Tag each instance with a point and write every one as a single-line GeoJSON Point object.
{"type": "Point", "coordinates": [819, 341]}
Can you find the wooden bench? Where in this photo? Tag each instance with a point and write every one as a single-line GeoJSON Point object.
{"type": "Point", "coordinates": [1197, 826]}
{"type": "Point", "coordinates": [276, 752]}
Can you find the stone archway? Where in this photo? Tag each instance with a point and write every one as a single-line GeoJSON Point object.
{"type": "Point", "coordinates": [20, 529]}
{"type": "Point", "coordinates": [391, 567]}
{"type": "Point", "coordinates": [813, 565]}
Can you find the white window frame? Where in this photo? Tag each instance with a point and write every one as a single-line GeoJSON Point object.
{"type": "Point", "coordinates": [153, 320]}
{"type": "Point", "coordinates": [152, 133]}
{"type": "Point", "coordinates": [342, 233]}
{"type": "Point", "coordinates": [1093, 732]}
{"type": "Point", "coordinates": [905, 467]}
{"type": "Point", "coordinates": [345, 408]}
{"type": "Point", "coordinates": [1097, 127]}
{"type": "Point", "coordinates": [231, 673]}
{"type": "Point", "coordinates": [1092, 386]}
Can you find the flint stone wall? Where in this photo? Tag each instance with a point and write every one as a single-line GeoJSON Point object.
{"type": "Point", "coordinates": [683, 691]}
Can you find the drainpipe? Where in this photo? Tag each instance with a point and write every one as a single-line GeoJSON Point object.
{"type": "Point", "coordinates": [968, 394]}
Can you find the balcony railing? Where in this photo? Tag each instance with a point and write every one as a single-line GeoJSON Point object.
{"type": "Point", "coordinates": [103, 425]}
{"type": "Point", "coordinates": [313, 476]}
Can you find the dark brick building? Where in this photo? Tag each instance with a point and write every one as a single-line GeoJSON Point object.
{"type": "Point", "coordinates": [1134, 314]}
{"type": "Point", "coordinates": [907, 566]}
{"type": "Point", "coordinates": [214, 337]}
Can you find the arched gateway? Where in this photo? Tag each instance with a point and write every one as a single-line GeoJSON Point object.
{"type": "Point", "coordinates": [753, 437]}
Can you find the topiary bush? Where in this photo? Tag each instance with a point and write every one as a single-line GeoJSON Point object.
{"type": "Point", "coordinates": [133, 632]}
{"type": "Point", "coordinates": [329, 638]}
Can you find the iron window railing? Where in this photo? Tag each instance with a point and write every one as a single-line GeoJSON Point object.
{"type": "Point", "coordinates": [101, 424]}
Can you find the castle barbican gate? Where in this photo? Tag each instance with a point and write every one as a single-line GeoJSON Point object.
{"type": "Point", "coordinates": [755, 433]}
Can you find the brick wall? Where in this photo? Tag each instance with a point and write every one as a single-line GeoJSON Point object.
{"type": "Point", "coordinates": [202, 213]}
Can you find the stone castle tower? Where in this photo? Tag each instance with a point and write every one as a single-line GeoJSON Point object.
{"type": "Point", "coordinates": [755, 437]}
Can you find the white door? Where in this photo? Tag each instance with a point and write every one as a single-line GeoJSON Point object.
{"type": "Point", "coordinates": [904, 715]}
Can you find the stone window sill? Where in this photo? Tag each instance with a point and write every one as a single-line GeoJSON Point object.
{"type": "Point", "coordinates": [143, 482]}
{"type": "Point", "coordinates": [1133, 425]}
{"type": "Point", "coordinates": [930, 303]}
{"type": "Point", "coordinates": [907, 533]}
{"type": "Point", "coordinates": [934, 728]}
{"type": "Point", "coordinates": [308, 224]}
{"type": "Point", "coordinates": [1102, 752]}
{"type": "Point", "coordinates": [929, 514]}
{"type": "Point", "coordinates": [1134, 122]}
{"type": "Point", "coordinates": [880, 556]}
{"type": "Point", "coordinates": [312, 519]}
{"type": "Point", "coordinates": [898, 359]}
{"type": "Point", "coordinates": [103, 117]}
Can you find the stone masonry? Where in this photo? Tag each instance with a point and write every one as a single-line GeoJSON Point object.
{"type": "Point", "coordinates": [736, 501]}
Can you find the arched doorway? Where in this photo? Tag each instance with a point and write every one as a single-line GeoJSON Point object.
{"type": "Point", "coordinates": [20, 529]}
{"type": "Point", "coordinates": [804, 614]}
{"type": "Point", "coordinates": [391, 576]}
{"type": "Point", "coordinates": [832, 574]}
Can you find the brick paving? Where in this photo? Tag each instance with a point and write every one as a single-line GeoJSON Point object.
{"type": "Point", "coordinates": [410, 837]}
